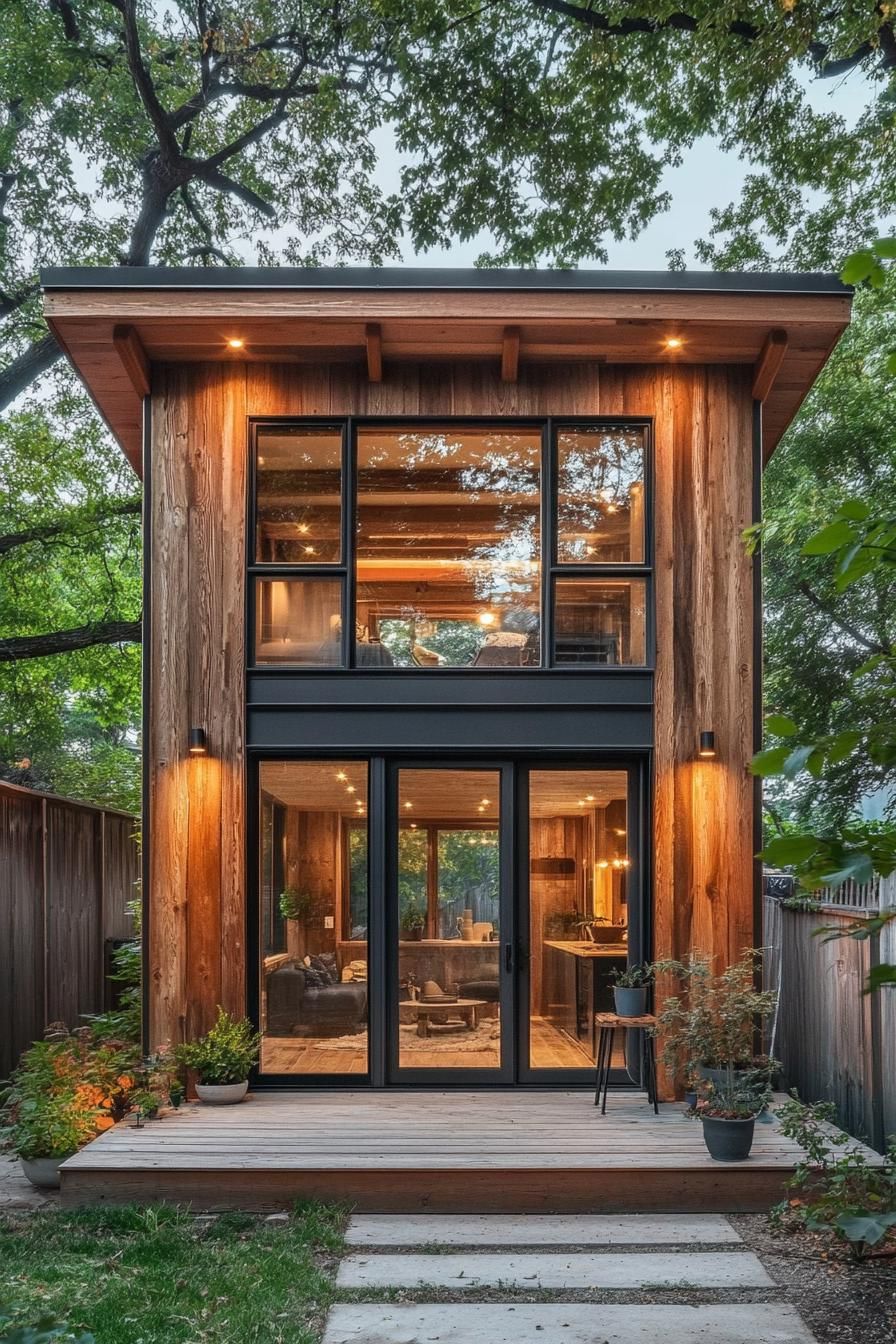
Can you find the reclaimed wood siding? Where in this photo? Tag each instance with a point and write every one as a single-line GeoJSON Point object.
{"type": "Point", "coordinates": [703, 811]}
{"type": "Point", "coordinates": [69, 872]}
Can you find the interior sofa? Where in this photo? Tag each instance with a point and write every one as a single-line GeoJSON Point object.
{"type": "Point", "coordinates": [298, 1004]}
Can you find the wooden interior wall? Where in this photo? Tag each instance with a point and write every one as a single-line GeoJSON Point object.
{"type": "Point", "coordinates": [552, 894]}
{"type": "Point", "coordinates": [313, 864]}
{"type": "Point", "coordinates": [703, 811]}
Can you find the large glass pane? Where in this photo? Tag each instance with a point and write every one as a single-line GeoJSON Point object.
{"type": "Point", "coordinates": [600, 621]}
{"type": "Point", "coordinates": [298, 495]}
{"type": "Point", "coordinates": [313, 938]}
{"type": "Point", "coordinates": [448, 547]}
{"type": "Point", "coordinates": [578, 904]}
{"type": "Point", "coordinates": [600, 496]}
{"type": "Point", "coordinates": [449, 887]}
{"type": "Point", "coordinates": [298, 621]}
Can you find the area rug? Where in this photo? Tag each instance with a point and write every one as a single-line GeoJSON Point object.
{"type": "Point", "coordinates": [452, 1036]}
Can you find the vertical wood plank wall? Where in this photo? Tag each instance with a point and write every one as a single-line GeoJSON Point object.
{"type": "Point", "coordinates": [703, 811]}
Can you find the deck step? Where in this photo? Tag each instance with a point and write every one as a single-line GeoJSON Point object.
{"type": "Point", "coordinates": [636, 1269]}
{"type": "Point", "coordinates": [431, 1229]}
{"type": "Point", "coordinates": [542, 1323]}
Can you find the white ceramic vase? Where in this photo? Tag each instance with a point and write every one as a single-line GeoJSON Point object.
{"type": "Point", "coordinates": [221, 1094]}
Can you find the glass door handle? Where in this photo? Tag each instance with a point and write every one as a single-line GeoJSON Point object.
{"type": "Point", "coordinates": [508, 957]}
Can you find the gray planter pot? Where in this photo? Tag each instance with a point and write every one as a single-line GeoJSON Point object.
{"type": "Point", "coordinates": [43, 1171]}
{"type": "Point", "coordinates": [630, 1002]}
{"type": "Point", "coordinates": [221, 1094]}
{"type": "Point", "coordinates": [728, 1140]}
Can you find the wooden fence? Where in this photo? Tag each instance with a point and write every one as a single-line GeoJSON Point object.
{"type": "Point", "coordinates": [67, 874]}
{"type": "Point", "coordinates": [835, 1042]}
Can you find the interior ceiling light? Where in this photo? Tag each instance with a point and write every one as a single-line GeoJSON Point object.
{"type": "Point", "coordinates": [486, 618]}
{"type": "Point", "coordinates": [674, 342]}
{"type": "Point", "coordinates": [341, 776]}
{"type": "Point", "coordinates": [409, 804]}
{"type": "Point", "coordinates": [235, 342]}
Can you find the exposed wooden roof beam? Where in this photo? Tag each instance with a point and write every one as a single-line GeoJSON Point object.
{"type": "Point", "coordinates": [510, 355]}
{"type": "Point", "coordinates": [771, 357]}
{"type": "Point", "coordinates": [129, 349]}
{"type": "Point", "coordinates": [373, 335]}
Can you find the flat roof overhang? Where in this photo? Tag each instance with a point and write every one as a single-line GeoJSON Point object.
{"type": "Point", "coordinates": [114, 323]}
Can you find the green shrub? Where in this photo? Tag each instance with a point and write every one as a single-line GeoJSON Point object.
{"type": "Point", "coordinates": [225, 1054]}
{"type": "Point", "coordinates": [840, 1190]}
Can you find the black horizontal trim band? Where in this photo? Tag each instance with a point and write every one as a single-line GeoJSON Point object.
{"type": "Point", "coordinates": [436, 278]}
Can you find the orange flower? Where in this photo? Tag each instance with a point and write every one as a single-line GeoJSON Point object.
{"type": "Point", "coordinates": [104, 1122]}
{"type": "Point", "coordinates": [125, 1081]}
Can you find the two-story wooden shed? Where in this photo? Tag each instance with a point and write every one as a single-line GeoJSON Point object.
{"type": "Point", "coordinates": [452, 643]}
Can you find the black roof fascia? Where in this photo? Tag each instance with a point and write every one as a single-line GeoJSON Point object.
{"type": "Point", "coordinates": [423, 278]}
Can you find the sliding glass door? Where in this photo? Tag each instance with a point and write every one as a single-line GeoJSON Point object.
{"type": "Point", "coordinates": [456, 924]}
{"type": "Point", "coordinates": [449, 924]}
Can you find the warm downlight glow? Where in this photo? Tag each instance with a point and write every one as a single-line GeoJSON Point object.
{"type": "Point", "coordinates": [674, 342]}
{"type": "Point", "coordinates": [236, 342]}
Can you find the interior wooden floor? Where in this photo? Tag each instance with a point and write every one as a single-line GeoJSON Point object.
{"type": "Point", "coordinates": [551, 1049]}
{"type": "Point", "coordinates": [536, 1151]}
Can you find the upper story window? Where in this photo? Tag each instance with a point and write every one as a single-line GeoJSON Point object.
{"type": "Point", "coordinates": [450, 545]}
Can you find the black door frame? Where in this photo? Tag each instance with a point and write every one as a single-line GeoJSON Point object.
{"type": "Point", "coordinates": [382, 947]}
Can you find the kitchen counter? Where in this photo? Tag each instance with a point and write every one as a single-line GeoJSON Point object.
{"type": "Point", "coordinates": [589, 950]}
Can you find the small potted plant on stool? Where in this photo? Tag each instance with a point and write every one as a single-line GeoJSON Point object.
{"type": "Point", "coordinates": [223, 1059]}
{"type": "Point", "coordinates": [630, 990]}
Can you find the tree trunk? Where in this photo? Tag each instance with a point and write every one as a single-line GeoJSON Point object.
{"type": "Point", "coordinates": [30, 364]}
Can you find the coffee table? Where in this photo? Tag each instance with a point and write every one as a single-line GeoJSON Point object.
{"type": "Point", "coordinates": [466, 1009]}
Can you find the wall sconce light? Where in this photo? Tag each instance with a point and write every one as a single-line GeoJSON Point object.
{"type": "Point", "coordinates": [708, 745]}
{"type": "Point", "coordinates": [198, 745]}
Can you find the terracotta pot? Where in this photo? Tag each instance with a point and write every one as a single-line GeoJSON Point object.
{"type": "Point", "coordinates": [221, 1094]}
{"type": "Point", "coordinates": [43, 1171]}
{"type": "Point", "coordinates": [728, 1140]}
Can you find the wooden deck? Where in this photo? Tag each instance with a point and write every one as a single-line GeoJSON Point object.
{"type": "Point", "coordinates": [473, 1152]}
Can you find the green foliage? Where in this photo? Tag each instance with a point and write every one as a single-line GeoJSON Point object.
{"type": "Point", "coordinates": [225, 1054]}
{"type": "Point", "coordinates": [712, 1021]}
{"type": "Point", "coordinates": [412, 919]}
{"type": "Point", "coordinates": [296, 904]}
{"type": "Point", "coordinates": [839, 1189]}
{"type": "Point", "coordinates": [125, 1022]}
{"type": "Point", "coordinates": [633, 977]}
{"type": "Point", "coordinates": [159, 1276]}
{"type": "Point", "coordinates": [69, 557]}
{"type": "Point", "coordinates": [65, 1090]}
{"type": "Point", "coordinates": [740, 1097]}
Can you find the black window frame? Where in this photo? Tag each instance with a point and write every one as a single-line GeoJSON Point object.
{"type": "Point", "coordinates": [550, 568]}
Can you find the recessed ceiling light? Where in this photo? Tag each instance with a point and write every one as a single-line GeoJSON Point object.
{"type": "Point", "coordinates": [235, 342]}
{"type": "Point", "coordinates": [486, 618]}
{"type": "Point", "coordinates": [341, 776]}
{"type": "Point", "coordinates": [409, 804]}
{"type": "Point", "coordinates": [589, 797]}
{"type": "Point", "coordinates": [351, 789]}
{"type": "Point", "coordinates": [674, 342]}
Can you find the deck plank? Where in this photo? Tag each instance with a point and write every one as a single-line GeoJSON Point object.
{"type": "Point", "coordinates": [546, 1151]}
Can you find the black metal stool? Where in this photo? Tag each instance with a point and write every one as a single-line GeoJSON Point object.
{"type": "Point", "coordinates": [608, 1022]}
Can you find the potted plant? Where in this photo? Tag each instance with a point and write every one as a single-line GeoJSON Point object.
{"type": "Point", "coordinates": [708, 1030]}
{"type": "Point", "coordinates": [630, 990]}
{"type": "Point", "coordinates": [413, 922]}
{"type": "Point", "coordinates": [296, 903]}
{"type": "Point", "coordinates": [223, 1059]}
{"type": "Point", "coordinates": [65, 1091]}
{"type": "Point", "coordinates": [728, 1113]}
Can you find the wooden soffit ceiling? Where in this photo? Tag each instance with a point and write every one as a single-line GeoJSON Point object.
{"type": "Point", "coordinates": [114, 335]}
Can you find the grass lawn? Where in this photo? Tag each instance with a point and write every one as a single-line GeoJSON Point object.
{"type": "Point", "coordinates": [156, 1276]}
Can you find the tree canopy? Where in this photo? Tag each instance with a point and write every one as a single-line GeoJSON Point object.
{"type": "Point", "coordinates": [198, 132]}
